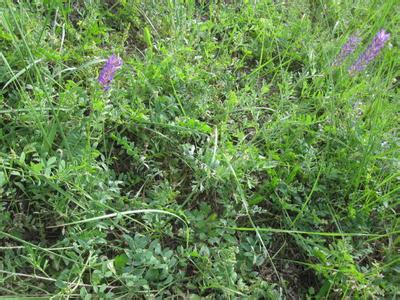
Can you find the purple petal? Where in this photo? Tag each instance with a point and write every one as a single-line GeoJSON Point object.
{"type": "Point", "coordinates": [371, 52]}
{"type": "Point", "coordinates": [348, 48]}
{"type": "Point", "coordinates": [112, 64]}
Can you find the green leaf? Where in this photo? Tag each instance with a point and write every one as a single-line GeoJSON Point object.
{"type": "Point", "coordinates": [120, 261]}
{"type": "Point", "coordinates": [3, 179]}
{"type": "Point", "coordinates": [147, 37]}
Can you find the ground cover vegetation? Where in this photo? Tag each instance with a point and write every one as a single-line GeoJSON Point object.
{"type": "Point", "coordinates": [229, 149]}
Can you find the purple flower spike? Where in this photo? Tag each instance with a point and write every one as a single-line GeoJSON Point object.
{"type": "Point", "coordinates": [372, 51]}
{"type": "Point", "coordinates": [347, 49]}
{"type": "Point", "coordinates": [112, 64]}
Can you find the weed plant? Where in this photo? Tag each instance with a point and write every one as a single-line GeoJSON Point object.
{"type": "Point", "coordinates": [229, 158]}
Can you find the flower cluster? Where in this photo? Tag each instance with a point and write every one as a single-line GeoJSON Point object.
{"type": "Point", "coordinates": [107, 73]}
{"type": "Point", "coordinates": [367, 56]}
{"type": "Point", "coordinates": [371, 52]}
{"type": "Point", "coordinates": [347, 49]}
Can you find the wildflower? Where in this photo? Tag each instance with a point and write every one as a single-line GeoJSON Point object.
{"type": "Point", "coordinates": [372, 51]}
{"type": "Point", "coordinates": [347, 49]}
{"type": "Point", "coordinates": [112, 64]}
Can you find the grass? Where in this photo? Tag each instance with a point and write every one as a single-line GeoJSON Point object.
{"type": "Point", "coordinates": [229, 159]}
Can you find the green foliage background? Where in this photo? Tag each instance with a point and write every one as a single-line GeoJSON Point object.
{"type": "Point", "coordinates": [228, 160]}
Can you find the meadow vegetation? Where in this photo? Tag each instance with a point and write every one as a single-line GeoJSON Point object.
{"type": "Point", "coordinates": [230, 157]}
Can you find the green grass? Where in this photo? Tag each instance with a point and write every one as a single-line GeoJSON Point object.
{"type": "Point", "coordinates": [228, 160]}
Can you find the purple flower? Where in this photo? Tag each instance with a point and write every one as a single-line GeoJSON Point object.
{"type": "Point", "coordinates": [371, 52]}
{"type": "Point", "coordinates": [347, 49]}
{"type": "Point", "coordinates": [112, 64]}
